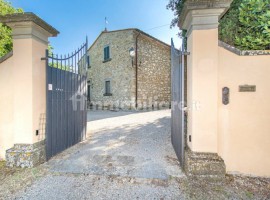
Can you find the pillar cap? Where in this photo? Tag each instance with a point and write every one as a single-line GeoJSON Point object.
{"type": "Point", "coordinates": [202, 5]}
{"type": "Point", "coordinates": [10, 19]}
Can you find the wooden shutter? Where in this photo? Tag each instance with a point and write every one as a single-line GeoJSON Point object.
{"type": "Point", "coordinates": [108, 52]}
{"type": "Point", "coordinates": [105, 57]}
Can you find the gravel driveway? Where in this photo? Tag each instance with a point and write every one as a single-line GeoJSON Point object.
{"type": "Point", "coordinates": [127, 155]}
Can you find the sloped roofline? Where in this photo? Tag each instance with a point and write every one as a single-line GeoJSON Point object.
{"type": "Point", "coordinates": [132, 29]}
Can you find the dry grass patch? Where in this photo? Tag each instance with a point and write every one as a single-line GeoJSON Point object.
{"type": "Point", "coordinates": [233, 187]}
{"type": "Point", "coordinates": [14, 180]}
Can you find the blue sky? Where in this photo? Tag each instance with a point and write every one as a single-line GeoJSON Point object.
{"type": "Point", "coordinates": [76, 19]}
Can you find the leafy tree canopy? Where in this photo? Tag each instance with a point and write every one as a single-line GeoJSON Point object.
{"type": "Point", "coordinates": [5, 32]}
{"type": "Point", "coordinates": [176, 6]}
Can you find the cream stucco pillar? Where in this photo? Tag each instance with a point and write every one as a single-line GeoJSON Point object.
{"type": "Point", "coordinates": [30, 40]}
{"type": "Point", "coordinates": [200, 19]}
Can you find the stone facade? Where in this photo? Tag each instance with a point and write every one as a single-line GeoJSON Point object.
{"type": "Point", "coordinates": [153, 62]}
{"type": "Point", "coordinates": [154, 72]}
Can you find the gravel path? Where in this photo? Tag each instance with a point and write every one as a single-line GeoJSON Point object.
{"type": "Point", "coordinates": [128, 155]}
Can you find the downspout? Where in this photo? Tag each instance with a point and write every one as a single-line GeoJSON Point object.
{"type": "Point", "coordinates": [136, 71]}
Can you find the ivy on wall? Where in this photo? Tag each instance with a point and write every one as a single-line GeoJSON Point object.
{"type": "Point", "coordinates": [247, 25]}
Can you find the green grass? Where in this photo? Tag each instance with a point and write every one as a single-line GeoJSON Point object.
{"type": "Point", "coordinates": [249, 195]}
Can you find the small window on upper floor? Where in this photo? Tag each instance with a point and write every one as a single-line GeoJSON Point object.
{"type": "Point", "coordinates": [107, 52]}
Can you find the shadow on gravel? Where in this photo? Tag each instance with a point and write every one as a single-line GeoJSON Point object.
{"type": "Point", "coordinates": [93, 115]}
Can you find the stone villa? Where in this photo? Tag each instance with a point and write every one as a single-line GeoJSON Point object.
{"type": "Point", "coordinates": [129, 68]}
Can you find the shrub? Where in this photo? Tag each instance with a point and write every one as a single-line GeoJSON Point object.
{"type": "Point", "coordinates": [247, 25]}
{"type": "Point", "coordinates": [229, 24]}
{"type": "Point", "coordinates": [254, 17]}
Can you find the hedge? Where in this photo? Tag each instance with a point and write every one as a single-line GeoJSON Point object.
{"type": "Point", "coordinates": [247, 25]}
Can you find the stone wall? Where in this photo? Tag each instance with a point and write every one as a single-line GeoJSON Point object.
{"type": "Point", "coordinates": [154, 72]}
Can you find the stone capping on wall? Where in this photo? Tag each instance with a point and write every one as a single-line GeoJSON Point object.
{"type": "Point", "coordinates": [243, 52]}
{"type": "Point", "coordinates": [7, 56]}
{"type": "Point", "coordinates": [200, 5]}
{"type": "Point", "coordinates": [28, 17]}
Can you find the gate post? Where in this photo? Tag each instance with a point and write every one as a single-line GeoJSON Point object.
{"type": "Point", "coordinates": [30, 40]}
{"type": "Point", "coordinates": [200, 19]}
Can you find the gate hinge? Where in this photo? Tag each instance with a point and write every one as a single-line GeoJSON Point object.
{"type": "Point", "coordinates": [186, 53]}
{"type": "Point", "coordinates": [44, 58]}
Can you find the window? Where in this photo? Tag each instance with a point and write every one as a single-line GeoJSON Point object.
{"type": "Point", "coordinates": [107, 53]}
{"type": "Point", "coordinates": [108, 87]}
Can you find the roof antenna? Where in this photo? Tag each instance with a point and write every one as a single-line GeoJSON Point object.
{"type": "Point", "coordinates": [106, 22]}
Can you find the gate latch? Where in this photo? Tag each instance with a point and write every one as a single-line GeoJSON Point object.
{"type": "Point", "coordinates": [185, 53]}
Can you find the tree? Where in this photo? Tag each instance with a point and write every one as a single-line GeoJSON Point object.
{"type": "Point", "coordinates": [5, 32]}
{"type": "Point", "coordinates": [50, 49]}
{"type": "Point", "coordinates": [176, 6]}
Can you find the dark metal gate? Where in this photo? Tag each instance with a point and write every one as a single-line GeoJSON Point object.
{"type": "Point", "coordinates": [178, 102]}
{"type": "Point", "coordinates": [66, 89]}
